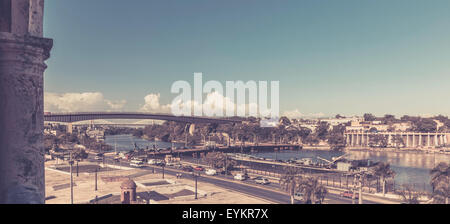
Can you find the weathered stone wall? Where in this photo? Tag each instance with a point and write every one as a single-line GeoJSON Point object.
{"type": "Point", "coordinates": [22, 55]}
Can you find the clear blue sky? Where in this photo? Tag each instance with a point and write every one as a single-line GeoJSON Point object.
{"type": "Point", "coordinates": [347, 57]}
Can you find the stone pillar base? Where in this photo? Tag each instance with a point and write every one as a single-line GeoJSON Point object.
{"type": "Point", "coordinates": [21, 117]}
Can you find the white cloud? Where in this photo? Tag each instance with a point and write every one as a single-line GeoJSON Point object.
{"type": "Point", "coordinates": [213, 104]}
{"type": "Point", "coordinates": [80, 102]}
{"type": "Point", "coordinates": [152, 104]}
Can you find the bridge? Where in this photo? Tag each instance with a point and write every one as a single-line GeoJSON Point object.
{"type": "Point", "coordinates": [87, 116]}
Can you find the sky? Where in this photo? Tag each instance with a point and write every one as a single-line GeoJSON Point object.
{"type": "Point", "coordinates": [346, 57]}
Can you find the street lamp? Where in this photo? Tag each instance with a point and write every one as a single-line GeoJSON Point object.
{"type": "Point", "coordinates": [77, 168]}
{"type": "Point", "coordinates": [163, 165]}
{"type": "Point", "coordinates": [96, 179]}
{"type": "Point", "coordinates": [71, 181]}
{"type": "Point", "coordinates": [195, 175]}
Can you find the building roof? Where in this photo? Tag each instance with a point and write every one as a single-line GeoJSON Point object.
{"type": "Point", "coordinates": [128, 184]}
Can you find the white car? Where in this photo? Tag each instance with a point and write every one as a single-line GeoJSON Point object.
{"type": "Point", "coordinates": [262, 180]}
{"type": "Point", "coordinates": [152, 162]}
{"type": "Point", "coordinates": [299, 196]}
{"type": "Point", "coordinates": [137, 163]}
{"type": "Point", "coordinates": [240, 176]}
{"type": "Point", "coordinates": [211, 172]}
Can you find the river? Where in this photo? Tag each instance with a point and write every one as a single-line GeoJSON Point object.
{"type": "Point", "coordinates": [410, 167]}
{"type": "Point", "coordinates": [126, 143]}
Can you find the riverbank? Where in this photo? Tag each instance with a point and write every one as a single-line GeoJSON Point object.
{"type": "Point", "coordinates": [444, 151]}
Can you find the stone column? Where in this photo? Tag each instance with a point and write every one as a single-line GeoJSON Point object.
{"type": "Point", "coordinates": [429, 139]}
{"type": "Point", "coordinates": [413, 140]}
{"type": "Point", "coordinates": [407, 140]}
{"type": "Point", "coordinates": [435, 140]}
{"type": "Point", "coordinates": [23, 51]}
{"type": "Point", "coordinates": [420, 139]}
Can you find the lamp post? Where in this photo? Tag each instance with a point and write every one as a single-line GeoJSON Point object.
{"type": "Point", "coordinates": [71, 181]}
{"type": "Point", "coordinates": [96, 179]}
{"type": "Point", "coordinates": [163, 165]}
{"type": "Point", "coordinates": [226, 160]}
{"type": "Point", "coordinates": [195, 175]}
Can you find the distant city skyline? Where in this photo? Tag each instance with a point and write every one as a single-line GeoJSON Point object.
{"type": "Point", "coordinates": [331, 57]}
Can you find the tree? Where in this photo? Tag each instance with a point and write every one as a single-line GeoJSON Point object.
{"type": "Point", "coordinates": [425, 125]}
{"type": "Point", "coordinates": [369, 117]}
{"type": "Point", "coordinates": [322, 130]}
{"type": "Point", "coordinates": [378, 140]}
{"type": "Point", "coordinates": [219, 160]}
{"type": "Point", "coordinates": [290, 181]}
{"type": "Point", "coordinates": [312, 190]}
{"type": "Point", "coordinates": [336, 137]}
{"type": "Point", "coordinates": [440, 181]}
{"type": "Point", "coordinates": [388, 118]}
{"type": "Point", "coordinates": [79, 154]}
{"type": "Point", "coordinates": [409, 196]}
{"type": "Point", "coordinates": [398, 141]}
{"type": "Point", "coordinates": [383, 171]}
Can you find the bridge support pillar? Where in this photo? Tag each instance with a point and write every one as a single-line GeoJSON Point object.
{"type": "Point", "coordinates": [23, 51]}
{"type": "Point", "coordinates": [69, 128]}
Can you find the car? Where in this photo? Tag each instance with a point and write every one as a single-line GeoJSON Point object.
{"type": "Point", "coordinates": [172, 164]}
{"type": "Point", "coordinates": [240, 176]}
{"type": "Point", "coordinates": [160, 163]}
{"type": "Point", "coordinates": [98, 157]}
{"type": "Point", "coordinates": [211, 172]}
{"type": "Point", "coordinates": [137, 163]}
{"type": "Point", "coordinates": [152, 161]}
{"type": "Point", "coordinates": [299, 196]}
{"type": "Point", "coordinates": [349, 194]}
{"type": "Point", "coordinates": [199, 168]}
{"type": "Point", "coordinates": [261, 180]}
{"type": "Point", "coordinates": [187, 168]}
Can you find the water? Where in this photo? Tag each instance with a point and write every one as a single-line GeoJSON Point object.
{"type": "Point", "coordinates": [410, 168]}
{"type": "Point", "coordinates": [126, 143]}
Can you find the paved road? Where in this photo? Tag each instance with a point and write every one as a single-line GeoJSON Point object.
{"type": "Point", "coordinates": [267, 192]}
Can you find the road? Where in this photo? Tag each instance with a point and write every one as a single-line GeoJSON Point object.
{"type": "Point", "coordinates": [268, 192]}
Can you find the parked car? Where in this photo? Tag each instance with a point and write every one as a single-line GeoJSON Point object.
{"type": "Point", "coordinates": [211, 172]}
{"type": "Point", "coordinates": [262, 180]}
{"type": "Point", "coordinates": [349, 194]}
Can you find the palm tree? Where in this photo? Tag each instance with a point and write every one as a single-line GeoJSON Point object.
{"type": "Point", "coordinates": [290, 181]}
{"type": "Point", "coordinates": [383, 171]}
{"type": "Point", "coordinates": [440, 181]}
{"type": "Point", "coordinates": [409, 196]}
{"type": "Point", "coordinates": [313, 190]}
